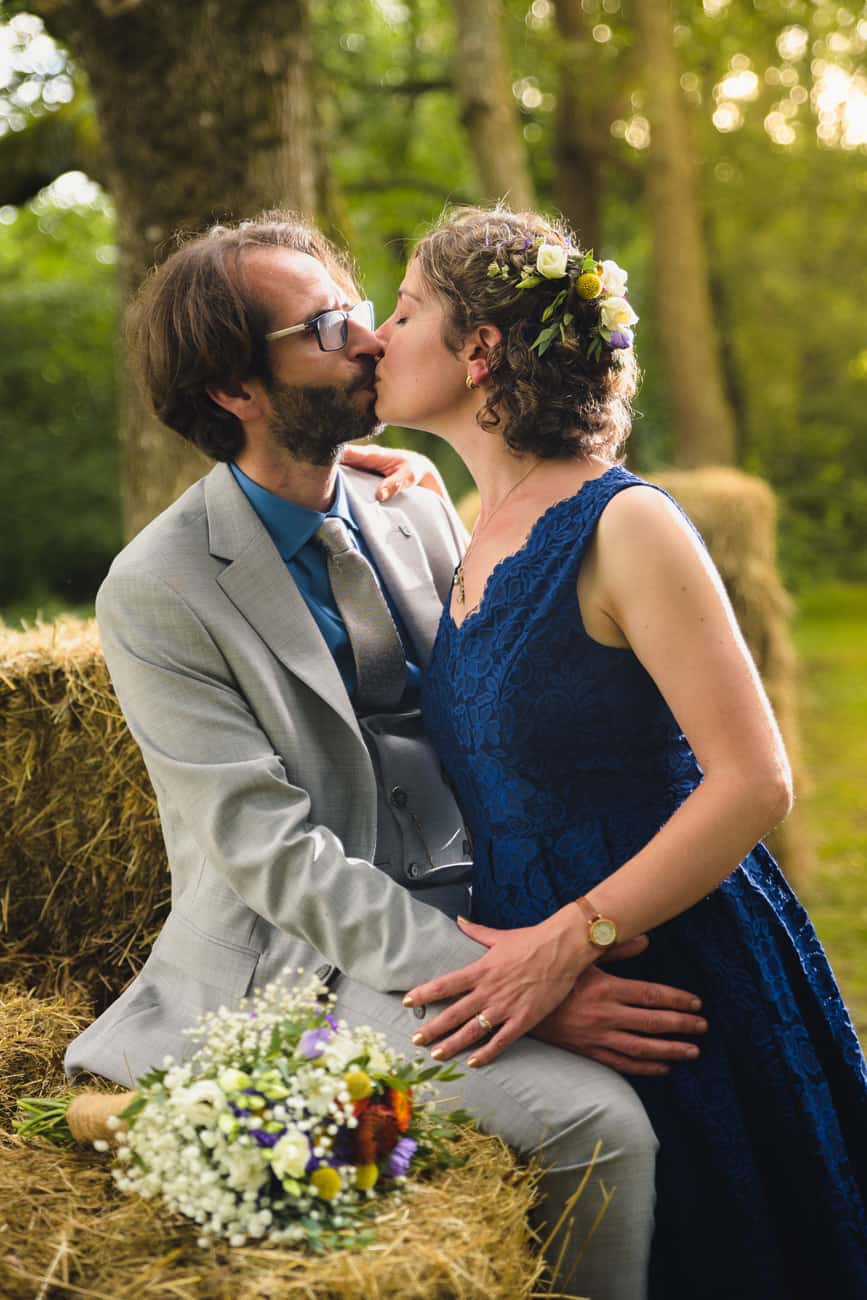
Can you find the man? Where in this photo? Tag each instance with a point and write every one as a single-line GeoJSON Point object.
{"type": "Point", "coordinates": [305, 819]}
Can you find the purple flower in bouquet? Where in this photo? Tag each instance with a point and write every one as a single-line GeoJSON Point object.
{"type": "Point", "coordinates": [312, 1042]}
{"type": "Point", "coordinates": [263, 1139]}
{"type": "Point", "coordinates": [398, 1161]}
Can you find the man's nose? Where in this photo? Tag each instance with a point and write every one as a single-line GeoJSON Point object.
{"type": "Point", "coordinates": [362, 341]}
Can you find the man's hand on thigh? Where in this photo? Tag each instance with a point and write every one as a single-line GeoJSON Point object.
{"type": "Point", "coordinates": [624, 1023]}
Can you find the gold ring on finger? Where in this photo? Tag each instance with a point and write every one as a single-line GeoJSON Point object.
{"type": "Point", "coordinates": [484, 1022]}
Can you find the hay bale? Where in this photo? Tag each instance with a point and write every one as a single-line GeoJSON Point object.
{"type": "Point", "coordinates": [66, 1230]}
{"type": "Point", "coordinates": [83, 879]}
{"type": "Point", "coordinates": [736, 514]}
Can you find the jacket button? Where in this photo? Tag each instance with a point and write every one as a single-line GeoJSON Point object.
{"type": "Point", "coordinates": [399, 797]}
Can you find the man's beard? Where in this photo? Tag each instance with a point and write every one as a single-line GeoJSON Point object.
{"type": "Point", "coordinates": [313, 423]}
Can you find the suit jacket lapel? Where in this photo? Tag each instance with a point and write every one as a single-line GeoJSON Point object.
{"type": "Point", "coordinates": [258, 584]}
{"type": "Point", "coordinates": [400, 559]}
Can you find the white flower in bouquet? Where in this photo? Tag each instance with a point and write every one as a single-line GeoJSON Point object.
{"type": "Point", "coordinates": [289, 1156]}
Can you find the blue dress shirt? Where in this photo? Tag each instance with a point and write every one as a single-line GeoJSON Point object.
{"type": "Point", "coordinates": [292, 529]}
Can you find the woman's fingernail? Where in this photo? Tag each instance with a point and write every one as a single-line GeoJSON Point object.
{"type": "Point", "coordinates": [473, 1062]}
{"type": "Point", "coordinates": [701, 1025]}
{"type": "Point", "coordinates": [408, 1002]}
{"type": "Point", "coordinates": [692, 1052]}
{"type": "Point", "coordinates": [462, 920]}
{"type": "Point", "coordinates": [418, 1039]}
{"type": "Point", "coordinates": [695, 1005]}
{"type": "Point", "coordinates": [438, 1053]}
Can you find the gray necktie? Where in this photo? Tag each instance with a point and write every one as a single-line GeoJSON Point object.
{"type": "Point", "coordinates": [380, 659]}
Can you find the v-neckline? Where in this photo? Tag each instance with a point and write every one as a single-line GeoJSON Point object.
{"type": "Point", "coordinates": [473, 615]}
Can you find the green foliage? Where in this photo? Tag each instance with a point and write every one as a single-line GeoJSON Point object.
{"type": "Point", "coordinates": [787, 256]}
{"type": "Point", "coordinates": [59, 492]}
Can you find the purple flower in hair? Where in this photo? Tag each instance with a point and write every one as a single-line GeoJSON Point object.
{"type": "Point", "coordinates": [620, 338]}
{"type": "Point", "coordinates": [398, 1161]}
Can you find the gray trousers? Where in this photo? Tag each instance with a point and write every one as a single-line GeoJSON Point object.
{"type": "Point", "coordinates": [553, 1106]}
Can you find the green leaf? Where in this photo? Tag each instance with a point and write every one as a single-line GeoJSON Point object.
{"type": "Point", "coordinates": [554, 304]}
{"type": "Point", "coordinates": [134, 1108]}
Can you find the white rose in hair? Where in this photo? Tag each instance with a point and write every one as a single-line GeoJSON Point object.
{"type": "Point", "coordinates": [616, 314]}
{"type": "Point", "coordinates": [614, 279]}
{"type": "Point", "coordinates": [551, 261]}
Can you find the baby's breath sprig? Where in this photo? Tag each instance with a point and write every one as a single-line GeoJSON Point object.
{"type": "Point", "coordinates": [600, 284]}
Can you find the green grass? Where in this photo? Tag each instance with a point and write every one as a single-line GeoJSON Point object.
{"type": "Point", "coordinates": [25, 613]}
{"type": "Point", "coordinates": [831, 637]}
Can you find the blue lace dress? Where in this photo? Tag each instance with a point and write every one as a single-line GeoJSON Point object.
{"type": "Point", "coordinates": [567, 760]}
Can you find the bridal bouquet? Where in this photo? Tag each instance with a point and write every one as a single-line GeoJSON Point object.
{"type": "Point", "coordinates": [284, 1125]}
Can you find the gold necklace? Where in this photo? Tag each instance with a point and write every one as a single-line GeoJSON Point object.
{"type": "Point", "coordinates": [458, 580]}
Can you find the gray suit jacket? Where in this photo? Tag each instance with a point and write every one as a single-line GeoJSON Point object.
{"type": "Point", "coordinates": [266, 791]}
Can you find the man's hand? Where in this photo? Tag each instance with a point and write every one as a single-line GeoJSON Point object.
{"type": "Point", "coordinates": [621, 1022]}
{"type": "Point", "coordinates": [400, 469]}
{"type": "Point", "coordinates": [519, 987]}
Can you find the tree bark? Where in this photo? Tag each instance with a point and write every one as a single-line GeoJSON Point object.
{"type": "Point", "coordinates": [487, 106]}
{"type": "Point", "coordinates": [205, 114]}
{"type": "Point", "coordinates": [581, 139]}
{"type": "Point", "coordinates": [704, 425]}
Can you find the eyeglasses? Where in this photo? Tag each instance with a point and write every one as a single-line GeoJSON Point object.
{"type": "Point", "coordinates": [331, 327]}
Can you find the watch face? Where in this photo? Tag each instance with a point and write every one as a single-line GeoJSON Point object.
{"type": "Point", "coordinates": [603, 932]}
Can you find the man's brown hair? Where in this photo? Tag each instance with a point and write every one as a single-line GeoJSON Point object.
{"type": "Point", "coordinates": [195, 326]}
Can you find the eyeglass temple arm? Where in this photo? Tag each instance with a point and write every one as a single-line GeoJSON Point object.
{"type": "Point", "coordinates": [281, 334]}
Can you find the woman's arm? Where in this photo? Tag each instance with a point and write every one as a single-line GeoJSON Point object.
{"type": "Point", "coordinates": [656, 585]}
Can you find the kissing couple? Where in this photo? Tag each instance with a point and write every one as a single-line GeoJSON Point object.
{"type": "Point", "coordinates": [505, 795]}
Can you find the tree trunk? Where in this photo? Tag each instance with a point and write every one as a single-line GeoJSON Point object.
{"type": "Point", "coordinates": [487, 106]}
{"type": "Point", "coordinates": [205, 114]}
{"type": "Point", "coordinates": [579, 152]}
{"type": "Point", "coordinates": [704, 425]}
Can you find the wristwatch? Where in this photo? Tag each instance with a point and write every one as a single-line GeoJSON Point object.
{"type": "Point", "coordinates": [601, 930]}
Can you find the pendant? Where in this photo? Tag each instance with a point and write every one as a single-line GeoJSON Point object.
{"type": "Point", "coordinates": [458, 583]}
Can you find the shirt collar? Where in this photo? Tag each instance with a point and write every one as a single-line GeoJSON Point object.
{"type": "Point", "coordinates": [290, 525]}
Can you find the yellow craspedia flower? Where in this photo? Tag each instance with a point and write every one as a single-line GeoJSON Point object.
{"type": "Point", "coordinates": [589, 285]}
{"type": "Point", "coordinates": [325, 1182]}
{"type": "Point", "coordinates": [366, 1176]}
{"type": "Point", "coordinates": [358, 1084]}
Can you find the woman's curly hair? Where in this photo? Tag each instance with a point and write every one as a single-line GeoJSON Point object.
{"type": "Point", "coordinates": [564, 402]}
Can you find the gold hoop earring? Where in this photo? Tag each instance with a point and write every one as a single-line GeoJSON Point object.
{"type": "Point", "coordinates": [470, 382]}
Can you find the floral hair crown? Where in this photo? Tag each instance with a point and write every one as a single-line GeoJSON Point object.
{"type": "Point", "coordinates": [602, 284]}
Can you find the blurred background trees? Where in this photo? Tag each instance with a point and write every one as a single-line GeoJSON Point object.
{"type": "Point", "coordinates": [718, 150]}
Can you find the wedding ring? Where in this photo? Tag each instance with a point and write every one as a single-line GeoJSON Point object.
{"type": "Point", "coordinates": [484, 1022]}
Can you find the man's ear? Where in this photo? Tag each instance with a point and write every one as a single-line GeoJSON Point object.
{"type": "Point", "coordinates": [244, 402]}
{"type": "Point", "coordinates": [476, 350]}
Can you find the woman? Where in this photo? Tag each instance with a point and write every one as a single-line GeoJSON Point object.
{"type": "Point", "coordinates": [616, 758]}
